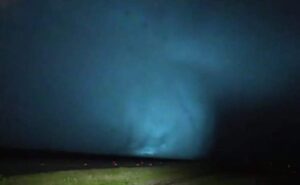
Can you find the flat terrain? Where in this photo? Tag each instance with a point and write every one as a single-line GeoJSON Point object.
{"type": "Point", "coordinates": [160, 175]}
{"type": "Point", "coordinates": [29, 165]}
{"type": "Point", "coordinates": [22, 162]}
{"type": "Point", "coordinates": [36, 168]}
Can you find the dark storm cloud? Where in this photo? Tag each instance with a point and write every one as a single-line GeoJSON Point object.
{"type": "Point", "coordinates": [139, 77]}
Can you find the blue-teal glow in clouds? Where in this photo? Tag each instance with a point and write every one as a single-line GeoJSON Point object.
{"type": "Point", "coordinates": [139, 78]}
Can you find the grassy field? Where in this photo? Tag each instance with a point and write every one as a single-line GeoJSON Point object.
{"type": "Point", "coordinates": [133, 176]}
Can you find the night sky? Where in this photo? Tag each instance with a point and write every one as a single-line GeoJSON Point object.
{"type": "Point", "coordinates": [158, 78]}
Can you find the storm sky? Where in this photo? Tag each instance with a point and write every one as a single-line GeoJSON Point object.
{"type": "Point", "coordinates": [172, 79]}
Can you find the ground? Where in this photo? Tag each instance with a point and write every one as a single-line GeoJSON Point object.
{"type": "Point", "coordinates": [160, 175]}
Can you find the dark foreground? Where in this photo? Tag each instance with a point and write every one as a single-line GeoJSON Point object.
{"type": "Point", "coordinates": [43, 168]}
{"type": "Point", "coordinates": [163, 175]}
{"type": "Point", "coordinates": [21, 162]}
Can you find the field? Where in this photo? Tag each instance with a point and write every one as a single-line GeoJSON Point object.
{"type": "Point", "coordinates": [162, 175]}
